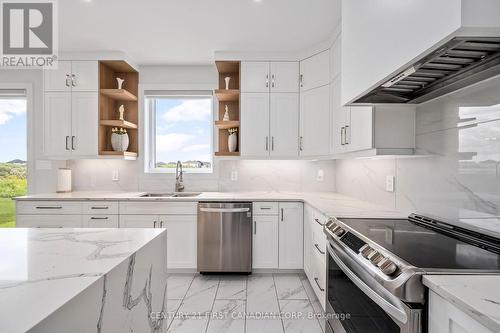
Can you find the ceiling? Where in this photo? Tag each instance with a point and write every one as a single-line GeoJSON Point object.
{"type": "Point", "coordinates": [189, 31]}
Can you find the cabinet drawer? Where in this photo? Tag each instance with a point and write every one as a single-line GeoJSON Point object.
{"type": "Point", "coordinates": [265, 208]}
{"type": "Point", "coordinates": [318, 279]}
{"type": "Point", "coordinates": [100, 221]}
{"type": "Point", "coordinates": [319, 246]}
{"type": "Point", "coordinates": [318, 221]}
{"type": "Point", "coordinates": [100, 208]}
{"type": "Point", "coordinates": [49, 221]}
{"type": "Point", "coordinates": [158, 208]}
{"type": "Point", "coordinates": [48, 207]}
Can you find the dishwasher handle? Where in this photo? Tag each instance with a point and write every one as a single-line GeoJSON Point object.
{"type": "Point", "coordinates": [225, 210]}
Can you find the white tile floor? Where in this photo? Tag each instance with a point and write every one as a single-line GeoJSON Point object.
{"type": "Point", "coordinates": [241, 304]}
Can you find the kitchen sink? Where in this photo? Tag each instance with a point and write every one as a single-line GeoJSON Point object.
{"type": "Point", "coordinates": [170, 195]}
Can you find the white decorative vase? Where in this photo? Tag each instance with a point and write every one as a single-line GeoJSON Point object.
{"type": "Point", "coordinates": [119, 142]}
{"type": "Point", "coordinates": [227, 79]}
{"type": "Point", "coordinates": [232, 142]}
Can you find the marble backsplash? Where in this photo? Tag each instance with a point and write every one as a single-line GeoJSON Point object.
{"type": "Point", "coordinates": [456, 172]}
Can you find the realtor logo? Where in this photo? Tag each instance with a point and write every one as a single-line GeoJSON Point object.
{"type": "Point", "coordinates": [28, 33]}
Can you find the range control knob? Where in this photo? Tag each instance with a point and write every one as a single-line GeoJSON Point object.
{"type": "Point", "coordinates": [365, 250]}
{"type": "Point", "coordinates": [375, 257]}
{"type": "Point", "coordinates": [339, 231]}
{"type": "Point", "coordinates": [387, 266]}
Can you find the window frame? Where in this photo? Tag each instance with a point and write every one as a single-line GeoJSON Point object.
{"type": "Point", "coordinates": [150, 108]}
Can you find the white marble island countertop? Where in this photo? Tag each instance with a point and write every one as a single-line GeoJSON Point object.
{"type": "Point", "coordinates": [43, 269]}
{"type": "Point", "coordinates": [329, 203]}
{"type": "Point", "coordinates": [476, 295]}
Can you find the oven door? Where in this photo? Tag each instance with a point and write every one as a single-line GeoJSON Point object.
{"type": "Point", "coordinates": [356, 303]}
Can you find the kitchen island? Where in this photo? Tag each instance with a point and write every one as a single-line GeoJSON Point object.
{"type": "Point", "coordinates": [82, 280]}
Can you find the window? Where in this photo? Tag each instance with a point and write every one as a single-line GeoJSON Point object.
{"type": "Point", "coordinates": [13, 153]}
{"type": "Point", "coordinates": [180, 129]}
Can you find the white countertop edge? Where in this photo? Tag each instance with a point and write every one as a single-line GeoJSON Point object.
{"type": "Point", "coordinates": [438, 283]}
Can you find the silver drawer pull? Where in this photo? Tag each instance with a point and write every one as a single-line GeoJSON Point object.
{"type": "Point", "coordinates": [99, 207]}
{"type": "Point", "coordinates": [316, 280]}
{"type": "Point", "coordinates": [318, 222]}
{"type": "Point", "coordinates": [319, 250]}
{"type": "Point", "coordinates": [48, 207]}
{"type": "Point", "coordinates": [265, 208]}
{"type": "Point", "coordinates": [99, 218]}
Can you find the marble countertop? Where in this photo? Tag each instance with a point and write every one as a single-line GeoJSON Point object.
{"type": "Point", "coordinates": [476, 295]}
{"type": "Point", "coordinates": [329, 203]}
{"type": "Point", "coordinates": [43, 269]}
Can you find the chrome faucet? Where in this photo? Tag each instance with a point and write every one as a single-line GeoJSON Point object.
{"type": "Point", "coordinates": [179, 186]}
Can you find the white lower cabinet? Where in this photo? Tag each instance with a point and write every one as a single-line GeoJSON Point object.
{"type": "Point", "coordinates": [446, 317]}
{"type": "Point", "coordinates": [48, 221]}
{"type": "Point", "coordinates": [100, 221]}
{"type": "Point", "coordinates": [291, 233]}
{"type": "Point", "coordinates": [265, 241]}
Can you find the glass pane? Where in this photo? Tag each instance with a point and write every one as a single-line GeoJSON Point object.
{"type": "Point", "coordinates": [12, 156]}
{"type": "Point", "coordinates": [184, 132]}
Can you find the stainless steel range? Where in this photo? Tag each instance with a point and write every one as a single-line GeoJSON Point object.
{"type": "Point", "coordinates": [375, 268]}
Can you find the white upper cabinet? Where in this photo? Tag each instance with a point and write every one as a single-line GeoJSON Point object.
{"type": "Point", "coordinates": [57, 124]}
{"type": "Point", "coordinates": [359, 130]}
{"type": "Point", "coordinates": [315, 71]}
{"type": "Point", "coordinates": [84, 118]}
{"type": "Point", "coordinates": [255, 76]}
{"type": "Point", "coordinates": [255, 140]}
{"type": "Point", "coordinates": [315, 122]}
{"type": "Point", "coordinates": [291, 235]}
{"type": "Point", "coordinates": [284, 125]}
{"type": "Point", "coordinates": [284, 77]}
{"type": "Point", "coordinates": [72, 76]}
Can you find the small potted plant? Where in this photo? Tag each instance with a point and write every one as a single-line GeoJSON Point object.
{"type": "Point", "coordinates": [232, 139]}
{"type": "Point", "coordinates": [119, 139]}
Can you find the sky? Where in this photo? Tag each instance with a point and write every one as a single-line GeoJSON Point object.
{"type": "Point", "coordinates": [12, 129]}
{"type": "Point", "coordinates": [183, 129]}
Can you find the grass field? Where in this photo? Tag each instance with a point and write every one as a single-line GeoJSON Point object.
{"type": "Point", "coordinates": [7, 213]}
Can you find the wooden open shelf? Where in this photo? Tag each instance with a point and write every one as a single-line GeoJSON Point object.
{"type": "Point", "coordinates": [110, 100]}
{"type": "Point", "coordinates": [227, 153]}
{"type": "Point", "coordinates": [230, 95]}
{"type": "Point", "coordinates": [118, 123]}
{"type": "Point", "coordinates": [119, 94]}
{"type": "Point", "coordinates": [227, 124]}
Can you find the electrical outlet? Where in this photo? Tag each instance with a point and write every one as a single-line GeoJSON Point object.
{"type": "Point", "coordinates": [321, 175]}
{"type": "Point", "coordinates": [115, 176]}
{"type": "Point", "coordinates": [234, 175]}
{"type": "Point", "coordinates": [389, 183]}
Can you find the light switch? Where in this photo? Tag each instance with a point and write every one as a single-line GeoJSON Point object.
{"type": "Point", "coordinates": [321, 175]}
{"type": "Point", "coordinates": [115, 176]}
{"type": "Point", "coordinates": [389, 183]}
{"type": "Point", "coordinates": [234, 175]}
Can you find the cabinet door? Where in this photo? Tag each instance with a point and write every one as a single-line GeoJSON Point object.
{"type": "Point", "coordinates": [284, 124]}
{"type": "Point", "coordinates": [100, 221]}
{"type": "Point", "coordinates": [255, 77]}
{"type": "Point", "coordinates": [359, 132]}
{"type": "Point", "coordinates": [58, 79]}
{"type": "Point", "coordinates": [182, 238]}
{"type": "Point", "coordinates": [284, 77]}
{"type": "Point", "coordinates": [291, 237]}
{"type": "Point", "coordinates": [84, 124]}
{"type": "Point", "coordinates": [84, 75]}
{"type": "Point", "coordinates": [315, 71]}
{"type": "Point", "coordinates": [48, 221]}
{"type": "Point", "coordinates": [139, 221]}
{"type": "Point", "coordinates": [57, 124]}
{"type": "Point", "coordinates": [315, 122]}
{"type": "Point", "coordinates": [338, 118]}
{"type": "Point", "coordinates": [308, 239]}
{"type": "Point", "coordinates": [255, 139]}
{"type": "Point", "coordinates": [265, 242]}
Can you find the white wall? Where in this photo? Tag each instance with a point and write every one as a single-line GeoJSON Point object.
{"type": "Point", "coordinates": [43, 180]}
{"type": "Point", "coordinates": [456, 176]}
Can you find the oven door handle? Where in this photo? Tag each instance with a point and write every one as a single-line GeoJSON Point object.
{"type": "Point", "coordinates": [396, 312]}
{"type": "Point", "coordinates": [225, 210]}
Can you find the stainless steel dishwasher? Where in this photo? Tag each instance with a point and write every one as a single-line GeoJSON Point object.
{"type": "Point", "coordinates": [225, 237]}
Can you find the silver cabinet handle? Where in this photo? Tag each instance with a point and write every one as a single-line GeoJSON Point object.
{"type": "Point", "coordinates": [67, 80]}
{"type": "Point", "coordinates": [319, 250]}
{"type": "Point", "coordinates": [73, 143]}
{"type": "Point", "coordinates": [346, 137]}
{"type": "Point", "coordinates": [342, 136]}
{"type": "Point", "coordinates": [267, 143]}
{"type": "Point", "coordinates": [272, 143]}
{"type": "Point", "coordinates": [154, 224]}
{"type": "Point", "coordinates": [161, 224]}
{"type": "Point", "coordinates": [301, 144]}
{"type": "Point", "coordinates": [282, 214]}
{"type": "Point", "coordinates": [301, 80]}
{"type": "Point", "coordinates": [73, 80]}
{"type": "Point", "coordinates": [48, 207]}
{"type": "Point", "coordinates": [99, 207]}
{"type": "Point", "coordinates": [267, 80]}
{"type": "Point", "coordinates": [272, 80]}
{"type": "Point", "coordinates": [99, 218]}
{"type": "Point", "coordinates": [67, 142]}
{"type": "Point", "coordinates": [265, 208]}
{"type": "Point", "coordinates": [316, 280]}
{"type": "Point", "coordinates": [254, 228]}
{"type": "Point", "coordinates": [318, 222]}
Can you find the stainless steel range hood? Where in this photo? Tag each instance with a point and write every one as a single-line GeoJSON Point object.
{"type": "Point", "coordinates": [459, 63]}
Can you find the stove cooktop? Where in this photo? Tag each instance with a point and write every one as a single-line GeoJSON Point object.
{"type": "Point", "coordinates": [425, 248]}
